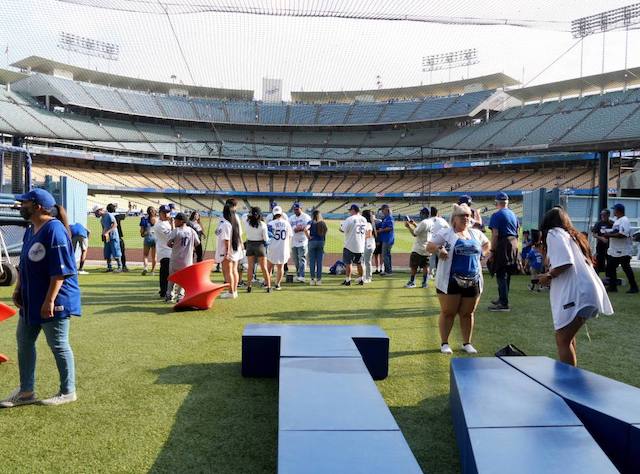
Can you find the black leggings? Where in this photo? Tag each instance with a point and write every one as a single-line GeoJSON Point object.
{"type": "Point", "coordinates": [164, 276]}
{"type": "Point", "coordinates": [198, 250]}
{"type": "Point", "coordinates": [123, 259]}
{"type": "Point", "coordinates": [625, 263]}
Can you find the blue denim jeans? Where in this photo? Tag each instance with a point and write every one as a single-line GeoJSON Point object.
{"type": "Point", "coordinates": [57, 334]}
{"type": "Point", "coordinates": [299, 255]}
{"type": "Point", "coordinates": [386, 256]}
{"type": "Point", "coordinates": [503, 279]}
{"type": "Point", "coordinates": [316, 255]}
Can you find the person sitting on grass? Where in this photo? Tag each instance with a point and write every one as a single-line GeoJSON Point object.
{"type": "Point", "coordinates": [577, 293]}
{"type": "Point", "coordinates": [47, 295]}
{"type": "Point", "coordinates": [182, 241]}
{"type": "Point", "coordinates": [80, 238]}
{"type": "Point", "coordinates": [459, 275]}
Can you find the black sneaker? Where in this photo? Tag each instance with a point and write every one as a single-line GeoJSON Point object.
{"type": "Point", "coordinates": [248, 289]}
{"type": "Point", "coordinates": [632, 291]}
{"type": "Point", "coordinates": [377, 272]}
{"type": "Point", "coordinates": [125, 270]}
{"type": "Point", "coordinates": [277, 288]}
{"type": "Point", "coordinates": [499, 308]}
{"type": "Point", "coordinates": [361, 282]}
{"type": "Point", "coordinates": [268, 289]}
{"type": "Point", "coordinates": [347, 283]}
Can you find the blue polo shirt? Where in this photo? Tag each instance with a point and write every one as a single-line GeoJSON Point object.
{"type": "Point", "coordinates": [44, 255]}
{"type": "Point", "coordinates": [79, 230]}
{"type": "Point", "coordinates": [386, 237]}
{"type": "Point", "coordinates": [107, 221]}
{"type": "Point", "coordinates": [505, 221]}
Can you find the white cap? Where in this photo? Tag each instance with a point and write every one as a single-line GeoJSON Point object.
{"type": "Point", "coordinates": [96, 208]}
{"type": "Point", "coordinates": [276, 210]}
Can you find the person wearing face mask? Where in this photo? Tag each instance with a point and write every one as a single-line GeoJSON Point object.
{"type": "Point", "coordinates": [47, 295]}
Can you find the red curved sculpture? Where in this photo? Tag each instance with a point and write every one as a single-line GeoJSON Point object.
{"type": "Point", "coordinates": [199, 290]}
{"type": "Point", "coordinates": [5, 313]}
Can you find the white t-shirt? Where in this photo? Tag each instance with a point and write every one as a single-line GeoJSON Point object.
{"type": "Point", "coordinates": [303, 220]}
{"type": "Point", "coordinates": [620, 247]}
{"type": "Point", "coordinates": [437, 224]}
{"type": "Point", "coordinates": [423, 235]}
{"type": "Point", "coordinates": [354, 228]}
{"type": "Point", "coordinates": [161, 231]}
{"type": "Point", "coordinates": [280, 244]}
{"type": "Point", "coordinates": [184, 239]}
{"type": "Point", "coordinates": [224, 232]}
{"type": "Point", "coordinates": [369, 243]}
{"type": "Point", "coordinates": [578, 286]}
{"type": "Point", "coordinates": [256, 234]}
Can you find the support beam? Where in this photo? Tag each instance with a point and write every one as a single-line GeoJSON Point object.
{"type": "Point", "coordinates": [603, 179]}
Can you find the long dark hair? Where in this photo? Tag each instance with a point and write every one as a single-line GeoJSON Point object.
{"type": "Point", "coordinates": [558, 217]}
{"type": "Point", "coordinates": [230, 215]}
{"type": "Point", "coordinates": [193, 215]}
{"type": "Point", "coordinates": [254, 217]}
{"type": "Point", "coordinates": [321, 226]}
{"type": "Point", "coordinates": [60, 213]}
{"type": "Point", "coordinates": [368, 215]}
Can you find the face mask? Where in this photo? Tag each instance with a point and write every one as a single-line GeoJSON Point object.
{"type": "Point", "coordinates": [26, 213]}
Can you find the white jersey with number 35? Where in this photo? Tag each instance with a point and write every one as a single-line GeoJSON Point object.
{"type": "Point", "coordinates": [354, 228]}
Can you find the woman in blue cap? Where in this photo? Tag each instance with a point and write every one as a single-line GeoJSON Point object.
{"type": "Point", "coordinates": [47, 294]}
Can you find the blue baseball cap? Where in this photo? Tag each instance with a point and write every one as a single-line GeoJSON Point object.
{"type": "Point", "coordinates": [164, 209]}
{"type": "Point", "coordinates": [618, 207]}
{"type": "Point", "coordinates": [425, 211]}
{"type": "Point", "coordinates": [464, 199]}
{"type": "Point", "coordinates": [297, 205]}
{"type": "Point", "coordinates": [502, 196]}
{"type": "Point", "coordinates": [38, 196]}
{"type": "Point", "coordinates": [354, 207]}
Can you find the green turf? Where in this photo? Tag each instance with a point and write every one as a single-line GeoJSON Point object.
{"type": "Point", "coordinates": [335, 239]}
{"type": "Point", "coordinates": [162, 392]}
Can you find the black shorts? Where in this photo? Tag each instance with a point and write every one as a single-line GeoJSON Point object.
{"type": "Point", "coordinates": [418, 261]}
{"type": "Point", "coordinates": [378, 249]}
{"type": "Point", "coordinates": [455, 289]}
{"type": "Point", "coordinates": [255, 248]}
{"type": "Point", "coordinates": [349, 257]}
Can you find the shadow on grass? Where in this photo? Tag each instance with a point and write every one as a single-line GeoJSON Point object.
{"type": "Point", "coordinates": [128, 309]}
{"type": "Point", "coordinates": [428, 428]}
{"type": "Point", "coordinates": [227, 423]}
{"type": "Point", "coordinates": [339, 315]}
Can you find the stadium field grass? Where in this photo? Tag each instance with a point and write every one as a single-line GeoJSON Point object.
{"type": "Point", "coordinates": [162, 392]}
{"type": "Point", "coordinates": [334, 244]}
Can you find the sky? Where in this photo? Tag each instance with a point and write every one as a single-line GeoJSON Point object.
{"type": "Point", "coordinates": [236, 50]}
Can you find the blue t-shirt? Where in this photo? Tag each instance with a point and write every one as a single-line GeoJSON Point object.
{"type": "Point", "coordinates": [505, 221]}
{"type": "Point", "coordinates": [466, 258]}
{"type": "Point", "coordinates": [386, 237]}
{"type": "Point", "coordinates": [534, 257]}
{"type": "Point", "coordinates": [78, 230]}
{"type": "Point", "coordinates": [44, 255]}
{"type": "Point", "coordinates": [313, 232]}
{"type": "Point", "coordinates": [526, 248]}
{"type": "Point", "coordinates": [107, 221]}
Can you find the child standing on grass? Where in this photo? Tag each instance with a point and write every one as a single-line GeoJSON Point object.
{"type": "Point", "coordinates": [182, 241]}
{"type": "Point", "coordinates": [535, 260]}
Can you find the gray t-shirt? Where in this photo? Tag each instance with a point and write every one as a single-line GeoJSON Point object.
{"type": "Point", "coordinates": [184, 240]}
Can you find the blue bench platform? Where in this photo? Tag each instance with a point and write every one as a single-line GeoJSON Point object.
{"type": "Point", "coordinates": [609, 409]}
{"type": "Point", "coordinates": [506, 422]}
{"type": "Point", "coordinates": [331, 416]}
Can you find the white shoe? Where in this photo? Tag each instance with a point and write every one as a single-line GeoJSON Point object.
{"type": "Point", "coordinates": [300, 279]}
{"type": "Point", "coordinates": [312, 282]}
{"type": "Point", "coordinates": [318, 282]}
{"type": "Point", "coordinates": [411, 284]}
{"type": "Point", "coordinates": [60, 399]}
{"type": "Point", "coordinates": [83, 272]}
{"type": "Point", "coordinates": [235, 295]}
{"type": "Point", "coordinates": [14, 400]}
{"type": "Point", "coordinates": [469, 349]}
{"type": "Point", "coordinates": [226, 295]}
{"type": "Point", "coordinates": [445, 349]}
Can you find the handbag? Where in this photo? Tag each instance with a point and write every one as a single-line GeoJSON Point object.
{"type": "Point", "coordinates": [466, 282]}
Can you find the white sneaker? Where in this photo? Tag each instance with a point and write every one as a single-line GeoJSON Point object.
{"type": "Point", "coordinates": [13, 400]}
{"type": "Point", "coordinates": [226, 295]}
{"type": "Point", "coordinates": [312, 282]}
{"type": "Point", "coordinates": [60, 399]}
{"type": "Point", "coordinates": [445, 349]}
{"type": "Point", "coordinates": [469, 349]}
{"type": "Point", "coordinates": [300, 279]}
{"type": "Point", "coordinates": [235, 295]}
{"type": "Point", "coordinates": [318, 282]}
{"type": "Point", "coordinates": [83, 272]}
{"type": "Point", "coordinates": [411, 284]}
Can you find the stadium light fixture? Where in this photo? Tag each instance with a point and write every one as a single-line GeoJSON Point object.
{"type": "Point", "coordinates": [622, 17]}
{"type": "Point", "coordinates": [88, 46]}
{"type": "Point", "coordinates": [451, 60]}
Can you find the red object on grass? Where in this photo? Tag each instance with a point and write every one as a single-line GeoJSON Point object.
{"type": "Point", "coordinates": [6, 311]}
{"type": "Point", "coordinates": [199, 290]}
{"type": "Point", "coordinates": [3, 358]}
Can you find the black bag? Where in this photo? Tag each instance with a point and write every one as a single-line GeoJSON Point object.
{"type": "Point", "coordinates": [509, 351]}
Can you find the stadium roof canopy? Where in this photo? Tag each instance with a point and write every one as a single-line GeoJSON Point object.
{"type": "Point", "coordinates": [8, 76]}
{"type": "Point", "coordinates": [48, 66]}
{"type": "Point", "coordinates": [596, 83]}
{"type": "Point", "coordinates": [473, 84]}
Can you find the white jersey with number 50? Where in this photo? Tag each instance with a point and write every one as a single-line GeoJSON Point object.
{"type": "Point", "coordinates": [354, 228]}
{"type": "Point", "coordinates": [280, 243]}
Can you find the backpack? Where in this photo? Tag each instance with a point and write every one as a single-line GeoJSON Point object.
{"type": "Point", "coordinates": [337, 268]}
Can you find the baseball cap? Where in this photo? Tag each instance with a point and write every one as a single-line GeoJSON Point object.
{"type": "Point", "coordinates": [502, 196]}
{"type": "Point", "coordinates": [96, 208]}
{"type": "Point", "coordinates": [618, 207]}
{"type": "Point", "coordinates": [38, 196]}
{"type": "Point", "coordinates": [464, 199]}
{"type": "Point", "coordinates": [425, 212]}
{"type": "Point", "coordinates": [276, 210]}
{"type": "Point", "coordinates": [384, 206]}
{"type": "Point", "coordinates": [354, 207]}
{"type": "Point", "coordinates": [297, 205]}
{"type": "Point", "coordinates": [273, 204]}
{"type": "Point", "coordinates": [181, 216]}
{"type": "Point", "coordinates": [165, 209]}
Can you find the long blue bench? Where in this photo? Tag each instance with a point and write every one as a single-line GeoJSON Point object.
{"type": "Point", "coordinates": [609, 409]}
{"type": "Point", "coordinates": [331, 416]}
{"type": "Point", "coordinates": [506, 422]}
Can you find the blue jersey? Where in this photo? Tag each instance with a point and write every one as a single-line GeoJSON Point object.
{"type": "Point", "coordinates": [534, 257]}
{"type": "Point", "coordinates": [466, 258]}
{"type": "Point", "coordinates": [107, 221]}
{"type": "Point", "coordinates": [386, 237]}
{"type": "Point", "coordinates": [78, 230]}
{"type": "Point", "coordinates": [44, 255]}
{"type": "Point", "coordinates": [505, 221]}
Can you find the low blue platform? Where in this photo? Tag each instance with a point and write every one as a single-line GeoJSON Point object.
{"type": "Point", "coordinates": [609, 409]}
{"type": "Point", "coordinates": [506, 422]}
{"type": "Point", "coordinates": [332, 419]}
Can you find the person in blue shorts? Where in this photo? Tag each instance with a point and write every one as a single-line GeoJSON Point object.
{"type": "Point", "coordinates": [80, 238]}
{"type": "Point", "coordinates": [47, 294]}
{"type": "Point", "coordinates": [110, 237]}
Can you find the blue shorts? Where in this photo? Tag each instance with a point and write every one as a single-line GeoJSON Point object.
{"type": "Point", "coordinates": [112, 249]}
{"type": "Point", "coordinates": [149, 241]}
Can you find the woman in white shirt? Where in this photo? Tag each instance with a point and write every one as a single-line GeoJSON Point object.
{"type": "Point", "coordinates": [369, 244]}
{"type": "Point", "coordinates": [280, 232]}
{"type": "Point", "coordinates": [459, 275]}
{"type": "Point", "coordinates": [577, 294]}
{"type": "Point", "coordinates": [229, 250]}
{"type": "Point", "coordinates": [257, 238]}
